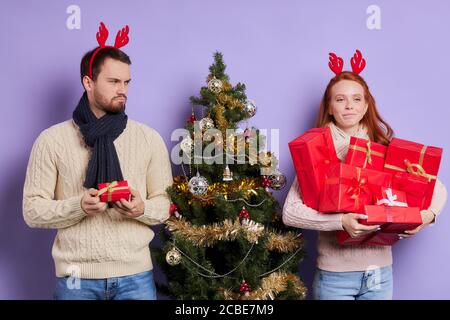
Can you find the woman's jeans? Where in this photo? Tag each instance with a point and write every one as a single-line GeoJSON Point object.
{"type": "Point", "coordinates": [139, 286]}
{"type": "Point", "coordinates": [376, 284]}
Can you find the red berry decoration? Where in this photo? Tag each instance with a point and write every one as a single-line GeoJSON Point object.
{"type": "Point", "coordinates": [244, 287]}
{"type": "Point", "coordinates": [173, 209]}
{"type": "Point", "coordinates": [192, 119]}
{"type": "Point", "coordinates": [244, 214]}
{"type": "Point", "coordinates": [265, 182]}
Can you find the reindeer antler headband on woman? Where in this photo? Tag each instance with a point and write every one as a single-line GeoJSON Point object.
{"type": "Point", "coordinates": [102, 35]}
{"type": "Point", "coordinates": [336, 63]}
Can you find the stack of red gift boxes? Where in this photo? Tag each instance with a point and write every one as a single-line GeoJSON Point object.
{"type": "Point", "coordinates": [390, 185]}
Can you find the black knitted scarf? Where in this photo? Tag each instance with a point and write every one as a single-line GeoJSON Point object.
{"type": "Point", "coordinates": [99, 134]}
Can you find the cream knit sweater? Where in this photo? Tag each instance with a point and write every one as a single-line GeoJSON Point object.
{"type": "Point", "coordinates": [108, 244]}
{"type": "Point", "coordinates": [331, 255]}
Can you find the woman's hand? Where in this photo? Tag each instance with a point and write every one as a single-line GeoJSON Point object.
{"type": "Point", "coordinates": [427, 218]}
{"type": "Point", "coordinates": [354, 228]}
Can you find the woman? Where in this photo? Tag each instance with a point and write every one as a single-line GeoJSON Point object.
{"type": "Point", "coordinates": [351, 272]}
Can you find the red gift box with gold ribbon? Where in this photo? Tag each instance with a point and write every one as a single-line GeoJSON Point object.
{"type": "Point", "coordinates": [114, 191]}
{"type": "Point", "coordinates": [312, 153]}
{"type": "Point", "coordinates": [365, 154]}
{"type": "Point", "coordinates": [348, 188]}
{"type": "Point", "coordinates": [416, 159]}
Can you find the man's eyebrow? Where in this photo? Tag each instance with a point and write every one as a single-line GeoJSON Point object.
{"type": "Point", "coordinates": [115, 79]}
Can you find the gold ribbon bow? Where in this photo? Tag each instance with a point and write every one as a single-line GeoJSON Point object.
{"type": "Point", "coordinates": [414, 168]}
{"type": "Point", "coordinates": [110, 188]}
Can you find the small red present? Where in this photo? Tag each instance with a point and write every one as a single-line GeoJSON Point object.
{"type": "Point", "coordinates": [114, 191]}
{"type": "Point", "coordinates": [415, 188]}
{"type": "Point", "coordinates": [416, 159]}
{"type": "Point", "coordinates": [312, 153]}
{"type": "Point", "coordinates": [393, 221]}
{"type": "Point", "coordinates": [365, 154]}
{"type": "Point", "coordinates": [348, 188]}
{"type": "Point", "coordinates": [380, 238]}
{"type": "Point", "coordinates": [343, 238]}
{"type": "Point", "coordinates": [376, 238]}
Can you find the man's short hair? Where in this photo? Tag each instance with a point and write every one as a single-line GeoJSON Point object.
{"type": "Point", "coordinates": [100, 57]}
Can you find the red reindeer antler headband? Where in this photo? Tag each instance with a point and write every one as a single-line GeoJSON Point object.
{"type": "Point", "coordinates": [336, 63]}
{"type": "Point", "coordinates": [102, 35]}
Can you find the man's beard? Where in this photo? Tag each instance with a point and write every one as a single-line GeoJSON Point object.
{"type": "Point", "coordinates": [115, 105]}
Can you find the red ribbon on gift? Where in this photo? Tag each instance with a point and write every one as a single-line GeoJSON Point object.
{"type": "Point", "coordinates": [358, 185]}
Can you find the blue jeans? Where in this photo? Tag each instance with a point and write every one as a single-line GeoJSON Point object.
{"type": "Point", "coordinates": [374, 284]}
{"type": "Point", "coordinates": [139, 286]}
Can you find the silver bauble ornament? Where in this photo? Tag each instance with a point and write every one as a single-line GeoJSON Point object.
{"type": "Point", "coordinates": [186, 145]}
{"type": "Point", "coordinates": [173, 257]}
{"type": "Point", "coordinates": [250, 108]}
{"type": "Point", "coordinates": [215, 85]}
{"type": "Point", "coordinates": [198, 185]}
{"type": "Point", "coordinates": [277, 181]}
{"type": "Point", "coordinates": [206, 123]}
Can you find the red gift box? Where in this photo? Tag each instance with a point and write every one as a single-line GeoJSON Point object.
{"type": "Point", "coordinates": [312, 153]}
{"type": "Point", "coordinates": [114, 191]}
{"type": "Point", "coordinates": [415, 188]}
{"type": "Point", "coordinates": [416, 159]}
{"type": "Point", "coordinates": [393, 221]}
{"type": "Point", "coordinates": [348, 188]}
{"type": "Point", "coordinates": [379, 238]}
{"type": "Point", "coordinates": [365, 154]}
{"type": "Point", "coordinates": [343, 238]}
{"type": "Point", "coordinates": [376, 238]}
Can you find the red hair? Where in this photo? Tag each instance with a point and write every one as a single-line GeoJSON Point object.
{"type": "Point", "coordinates": [378, 130]}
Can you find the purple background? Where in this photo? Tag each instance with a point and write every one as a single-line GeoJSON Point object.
{"type": "Point", "coordinates": [279, 49]}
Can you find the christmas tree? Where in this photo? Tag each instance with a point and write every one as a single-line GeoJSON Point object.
{"type": "Point", "coordinates": [224, 239]}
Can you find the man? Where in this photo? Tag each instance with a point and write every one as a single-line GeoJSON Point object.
{"type": "Point", "coordinates": [101, 251]}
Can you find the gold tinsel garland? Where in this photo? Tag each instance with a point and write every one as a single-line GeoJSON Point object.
{"type": "Point", "coordinates": [247, 185]}
{"type": "Point", "coordinates": [220, 120]}
{"type": "Point", "coordinates": [229, 230]}
{"type": "Point", "coordinates": [224, 101]}
{"type": "Point", "coordinates": [229, 102]}
{"type": "Point", "coordinates": [271, 286]}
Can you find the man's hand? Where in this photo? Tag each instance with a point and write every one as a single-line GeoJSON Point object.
{"type": "Point", "coordinates": [427, 218]}
{"type": "Point", "coordinates": [353, 227]}
{"type": "Point", "coordinates": [133, 208]}
{"type": "Point", "coordinates": [90, 203]}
